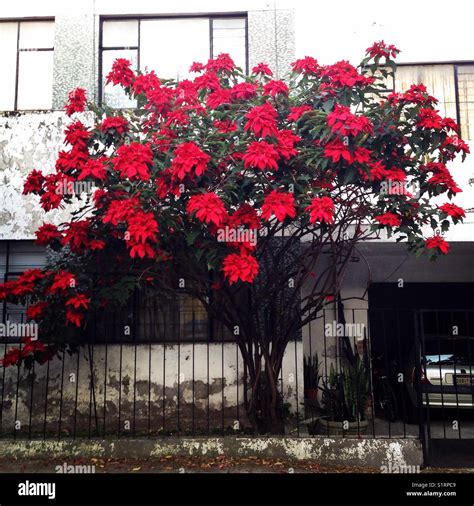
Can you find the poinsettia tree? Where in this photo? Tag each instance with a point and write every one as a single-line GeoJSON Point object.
{"type": "Point", "coordinates": [246, 192]}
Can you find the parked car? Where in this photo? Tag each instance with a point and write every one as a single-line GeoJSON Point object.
{"type": "Point", "coordinates": [446, 374]}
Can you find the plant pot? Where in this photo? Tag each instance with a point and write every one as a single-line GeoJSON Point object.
{"type": "Point", "coordinates": [330, 428]}
{"type": "Point", "coordinates": [311, 394]}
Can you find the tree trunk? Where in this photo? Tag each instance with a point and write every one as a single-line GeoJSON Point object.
{"type": "Point", "coordinates": [265, 403]}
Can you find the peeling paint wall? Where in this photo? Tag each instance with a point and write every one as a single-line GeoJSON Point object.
{"type": "Point", "coordinates": [29, 140]}
{"type": "Point", "coordinates": [127, 397]}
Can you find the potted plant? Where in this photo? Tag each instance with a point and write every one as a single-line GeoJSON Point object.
{"type": "Point", "coordinates": [311, 378]}
{"type": "Point", "coordinates": [344, 398]}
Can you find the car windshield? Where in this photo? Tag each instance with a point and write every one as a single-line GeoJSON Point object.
{"type": "Point", "coordinates": [449, 351]}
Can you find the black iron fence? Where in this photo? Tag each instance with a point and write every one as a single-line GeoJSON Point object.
{"type": "Point", "coordinates": [354, 373]}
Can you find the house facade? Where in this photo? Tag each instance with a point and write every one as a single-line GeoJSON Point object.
{"type": "Point", "coordinates": [183, 380]}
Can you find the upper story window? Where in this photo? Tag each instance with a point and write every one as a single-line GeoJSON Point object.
{"type": "Point", "coordinates": [150, 44]}
{"type": "Point", "coordinates": [451, 84]}
{"type": "Point", "coordinates": [27, 65]}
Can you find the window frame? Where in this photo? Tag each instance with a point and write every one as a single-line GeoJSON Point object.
{"type": "Point", "coordinates": [455, 64]}
{"type": "Point", "coordinates": [211, 17]}
{"type": "Point", "coordinates": [18, 22]}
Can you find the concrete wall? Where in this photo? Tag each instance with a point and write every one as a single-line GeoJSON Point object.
{"type": "Point", "coordinates": [148, 375]}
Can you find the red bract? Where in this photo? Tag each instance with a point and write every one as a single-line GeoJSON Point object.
{"type": "Point", "coordinates": [46, 234]}
{"type": "Point", "coordinates": [94, 168]}
{"type": "Point", "coordinates": [262, 120]}
{"type": "Point", "coordinates": [261, 155]}
{"type": "Point", "coordinates": [453, 210]}
{"type": "Point", "coordinates": [429, 118]}
{"type": "Point", "coordinates": [189, 159]}
{"type": "Point", "coordinates": [342, 121]}
{"type": "Point", "coordinates": [298, 111]}
{"type": "Point", "coordinates": [35, 311]}
{"type": "Point", "coordinates": [121, 73]}
{"type": "Point", "coordinates": [76, 235]}
{"type": "Point", "coordinates": [263, 69]}
{"type": "Point", "coordinates": [344, 75]}
{"type": "Point", "coordinates": [77, 135]}
{"type": "Point", "coordinates": [78, 301]}
{"type": "Point", "coordinates": [245, 215]}
{"type": "Point", "coordinates": [209, 208]}
{"type": "Point", "coordinates": [144, 83]}
{"type": "Point", "coordinates": [76, 101]}
{"type": "Point", "coordinates": [117, 123]}
{"type": "Point", "coordinates": [389, 219]}
{"type": "Point", "coordinates": [218, 97]}
{"type": "Point", "coordinates": [222, 63]}
{"type": "Point", "coordinates": [381, 49]}
{"type": "Point", "coordinates": [243, 91]}
{"type": "Point", "coordinates": [275, 88]}
{"type": "Point", "coordinates": [74, 317]}
{"type": "Point", "coordinates": [337, 150]}
{"type": "Point", "coordinates": [279, 204]}
{"type": "Point", "coordinates": [62, 281]}
{"type": "Point", "coordinates": [197, 67]}
{"type": "Point", "coordinates": [133, 161]}
{"type": "Point", "coordinates": [225, 127]}
{"type": "Point", "coordinates": [306, 65]}
{"type": "Point", "coordinates": [321, 209]}
{"type": "Point", "coordinates": [286, 144]}
{"type": "Point", "coordinates": [240, 267]}
{"type": "Point", "coordinates": [437, 242]}
{"type": "Point", "coordinates": [33, 183]}
{"type": "Point", "coordinates": [142, 230]}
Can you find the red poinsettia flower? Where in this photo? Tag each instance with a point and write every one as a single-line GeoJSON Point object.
{"type": "Point", "coordinates": [240, 267]}
{"type": "Point", "coordinates": [243, 91]}
{"type": "Point", "coordinates": [389, 219]}
{"type": "Point", "coordinates": [263, 69]}
{"type": "Point", "coordinates": [437, 242]}
{"type": "Point", "coordinates": [245, 215]}
{"type": "Point", "coordinates": [133, 161]}
{"type": "Point", "coordinates": [275, 88]}
{"type": "Point", "coordinates": [95, 168]}
{"type": "Point", "coordinates": [286, 143]}
{"type": "Point", "coordinates": [342, 121]}
{"type": "Point", "coordinates": [306, 65]}
{"type": "Point", "coordinates": [145, 83]}
{"type": "Point", "coordinates": [78, 301]}
{"type": "Point", "coordinates": [76, 134]}
{"type": "Point", "coordinates": [36, 310]}
{"type": "Point", "coordinates": [34, 182]}
{"type": "Point", "coordinates": [76, 235]}
{"type": "Point", "coordinates": [262, 120]}
{"type": "Point", "coordinates": [76, 101]}
{"type": "Point", "coordinates": [429, 118]}
{"type": "Point", "coordinates": [453, 210]}
{"type": "Point", "coordinates": [321, 209]}
{"type": "Point", "coordinates": [46, 234]}
{"type": "Point", "coordinates": [381, 49]}
{"type": "Point", "coordinates": [218, 97]}
{"type": "Point", "coordinates": [225, 127]}
{"type": "Point", "coordinates": [62, 281]}
{"type": "Point", "coordinates": [209, 208]}
{"type": "Point", "coordinates": [197, 67]}
{"type": "Point", "coordinates": [279, 204]}
{"type": "Point", "coordinates": [222, 63]}
{"type": "Point", "coordinates": [74, 317]}
{"type": "Point", "coordinates": [117, 123]}
{"type": "Point", "coordinates": [337, 150]}
{"type": "Point", "coordinates": [121, 73]}
{"type": "Point", "coordinates": [189, 159]}
{"type": "Point", "coordinates": [298, 111]}
{"type": "Point", "coordinates": [261, 155]}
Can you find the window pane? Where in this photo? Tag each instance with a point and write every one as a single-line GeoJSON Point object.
{"type": "Point", "coordinates": [35, 80]}
{"type": "Point", "coordinates": [120, 33]}
{"type": "Point", "coordinates": [466, 100]}
{"type": "Point", "coordinates": [169, 59]}
{"type": "Point", "coordinates": [114, 96]}
{"type": "Point", "coordinates": [8, 36]}
{"type": "Point", "coordinates": [438, 79]}
{"type": "Point", "coordinates": [36, 34]}
{"type": "Point", "coordinates": [228, 36]}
